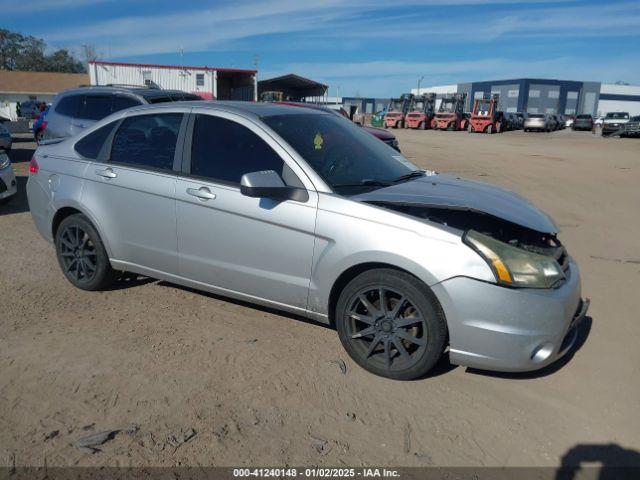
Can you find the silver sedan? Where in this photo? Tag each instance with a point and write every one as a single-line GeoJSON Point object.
{"type": "Point", "coordinates": [301, 210]}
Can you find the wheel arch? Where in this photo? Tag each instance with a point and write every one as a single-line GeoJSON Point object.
{"type": "Point", "coordinates": [352, 272]}
{"type": "Point", "coordinates": [67, 210]}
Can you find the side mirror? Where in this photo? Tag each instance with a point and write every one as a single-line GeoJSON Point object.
{"type": "Point", "coordinates": [268, 184]}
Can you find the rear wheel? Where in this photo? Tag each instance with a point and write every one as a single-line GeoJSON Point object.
{"type": "Point", "coordinates": [470, 128]}
{"type": "Point", "coordinates": [490, 129]}
{"type": "Point", "coordinates": [391, 324]}
{"type": "Point", "coordinates": [81, 254]}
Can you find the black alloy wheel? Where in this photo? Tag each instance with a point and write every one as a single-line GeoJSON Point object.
{"type": "Point", "coordinates": [81, 254]}
{"type": "Point", "coordinates": [393, 326]}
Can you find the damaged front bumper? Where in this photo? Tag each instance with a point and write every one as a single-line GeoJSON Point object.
{"type": "Point", "coordinates": [510, 329]}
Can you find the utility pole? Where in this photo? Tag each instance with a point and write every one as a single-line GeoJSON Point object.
{"type": "Point", "coordinates": [419, 81]}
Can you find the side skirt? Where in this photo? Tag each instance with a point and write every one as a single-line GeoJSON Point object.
{"type": "Point", "coordinates": [150, 272]}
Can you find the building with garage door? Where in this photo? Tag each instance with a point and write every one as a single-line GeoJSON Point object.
{"type": "Point", "coordinates": [537, 95]}
{"type": "Point", "coordinates": [207, 82]}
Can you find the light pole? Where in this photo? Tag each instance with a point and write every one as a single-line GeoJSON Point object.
{"type": "Point", "coordinates": [419, 81]}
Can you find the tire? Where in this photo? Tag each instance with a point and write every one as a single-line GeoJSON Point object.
{"type": "Point", "coordinates": [469, 128]}
{"type": "Point", "coordinates": [490, 128]}
{"type": "Point", "coordinates": [413, 334]}
{"type": "Point", "coordinates": [81, 254]}
{"type": "Point", "coordinates": [5, 200]}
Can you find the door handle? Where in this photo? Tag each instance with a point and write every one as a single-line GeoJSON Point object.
{"type": "Point", "coordinates": [203, 193]}
{"type": "Point", "coordinates": [106, 173]}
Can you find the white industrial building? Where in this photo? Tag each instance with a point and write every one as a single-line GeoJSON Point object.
{"type": "Point", "coordinates": [207, 82]}
{"type": "Point", "coordinates": [535, 95]}
{"type": "Point", "coordinates": [619, 98]}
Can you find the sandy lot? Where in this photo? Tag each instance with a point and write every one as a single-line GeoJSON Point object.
{"type": "Point", "coordinates": [259, 387]}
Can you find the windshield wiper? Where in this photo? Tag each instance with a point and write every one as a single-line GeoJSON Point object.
{"type": "Point", "coordinates": [409, 176]}
{"type": "Point", "coordinates": [365, 182]}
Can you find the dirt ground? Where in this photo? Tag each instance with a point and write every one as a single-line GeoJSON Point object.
{"type": "Point", "coordinates": [261, 388]}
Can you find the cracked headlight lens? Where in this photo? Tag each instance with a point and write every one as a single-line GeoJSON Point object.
{"type": "Point", "coordinates": [514, 266]}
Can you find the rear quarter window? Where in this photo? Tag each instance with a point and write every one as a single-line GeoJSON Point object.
{"type": "Point", "coordinates": [90, 145]}
{"type": "Point", "coordinates": [122, 102]}
{"type": "Point", "coordinates": [69, 105]}
{"type": "Point", "coordinates": [96, 107]}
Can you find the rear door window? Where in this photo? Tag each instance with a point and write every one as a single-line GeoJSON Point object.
{"type": "Point", "coordinates": [96, 107]}
{"type": "Point", "coordinates": [147, 141]}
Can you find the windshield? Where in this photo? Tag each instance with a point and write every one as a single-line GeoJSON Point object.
{"type": "Point", "coordinates": [396, 106]}
{"type": "Point", "coordinates": [447, 106]}
{"type": "Point", "coordinates": [483, 107]}
{"type": "Point", "coordinates": [618, 115]}
{"type": "Point", "coordinates": [583, 117]}
{"type": "Point", "coordinates": [418, 106]}
{"type": "Point", "coordinates": [347, 157]}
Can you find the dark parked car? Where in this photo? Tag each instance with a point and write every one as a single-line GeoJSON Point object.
{"type": "Point", "coordinates": [74, 110]}
{"type": "Point", "coordinates": [583, 122]}
{"type": "Point", "coordinates": [30, 109]}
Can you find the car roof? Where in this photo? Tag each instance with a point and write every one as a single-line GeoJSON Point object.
{"type": "Point", "coordinates": [255, 109]}
{"type": "Point", "coordinates": [136, 90]}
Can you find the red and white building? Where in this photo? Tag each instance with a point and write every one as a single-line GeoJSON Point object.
{"type": "Point", "coordinates": [207, 82]}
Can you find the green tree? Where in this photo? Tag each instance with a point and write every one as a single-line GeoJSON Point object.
{"type": "Point", "coordinates": [28, 53]}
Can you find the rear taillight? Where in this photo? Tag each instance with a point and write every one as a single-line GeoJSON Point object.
{"type": "Point", "coordinates": [33, 165]}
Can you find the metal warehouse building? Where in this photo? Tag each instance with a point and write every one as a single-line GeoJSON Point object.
{"type": "Point", "coordinates": [207, 82]}
{"type": "Point", "coordinates": [535, 95]}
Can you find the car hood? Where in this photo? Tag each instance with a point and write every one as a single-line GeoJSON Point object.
{"type": "Point", "coordinates": [448, 191]}
{"type": "Point", "coordinates": [381, 133]}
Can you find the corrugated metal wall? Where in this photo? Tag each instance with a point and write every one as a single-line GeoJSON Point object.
{"type": "Point", "coordinates": [235, 85]}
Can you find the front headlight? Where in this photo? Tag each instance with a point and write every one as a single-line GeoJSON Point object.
{"type": "Point", "coordinates": [514, 266]}
{"type": "Point", "coordinates": [4, 161]}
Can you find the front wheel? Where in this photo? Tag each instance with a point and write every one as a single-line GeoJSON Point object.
{"type": "Point", "coordinates": [81, 254]}
{"type": "Point", "coordinates": [490, 129]}
{"type": "Point", "coordinates": [391, 324]}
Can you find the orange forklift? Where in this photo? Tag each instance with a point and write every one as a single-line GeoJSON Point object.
{"type": "Point", "coordinates": [421, 111]}
{"type": "Point", "coordinates": [451, 114]}
{"type": "Point", "coordinates": [398, 108]}
{"type": "Point", "coordinates": [485, 117]}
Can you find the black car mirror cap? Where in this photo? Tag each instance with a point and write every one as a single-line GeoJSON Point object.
{"type": "Point", "coordinates": [268, 184]}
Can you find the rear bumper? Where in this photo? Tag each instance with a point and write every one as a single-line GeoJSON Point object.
{"type": "Point", "coordinates": [510, 330]}
{"type": "Point", "coordinates": [8, 184]}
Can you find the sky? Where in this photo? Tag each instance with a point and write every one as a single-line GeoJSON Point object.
{"type": "Point", "coordinates": [358, 47]}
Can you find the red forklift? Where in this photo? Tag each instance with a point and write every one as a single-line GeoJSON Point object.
{"type": "Point", "coordinates": [398, 108]}
{"type": "Point", "coordinates": [486, 118]}
{"type": "Point", "coordinates": [421, 111]}
{"type": "Point", "coordinates": [451, 114]}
